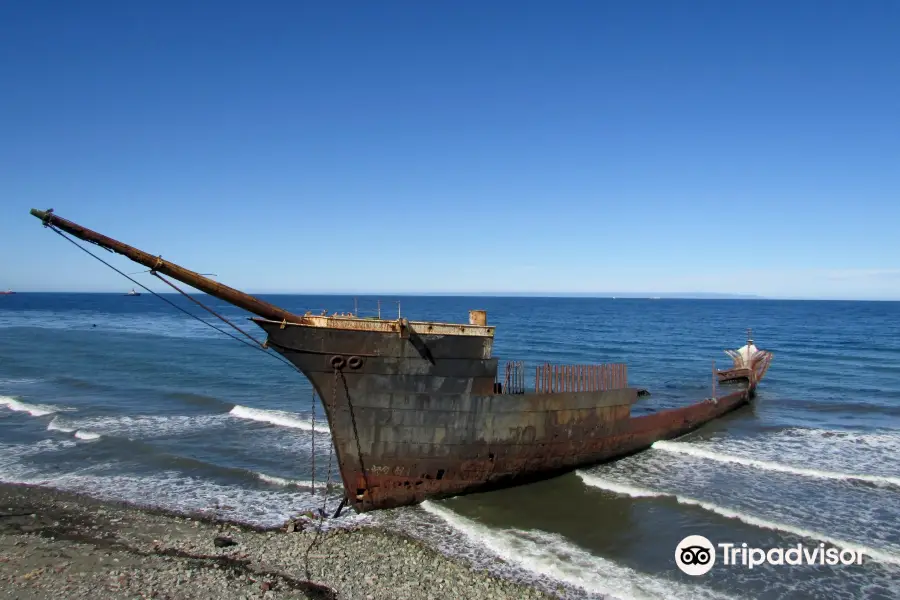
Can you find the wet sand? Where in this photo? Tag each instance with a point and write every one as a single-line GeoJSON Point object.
{"type": "Point", "coordinates": [61, 545]}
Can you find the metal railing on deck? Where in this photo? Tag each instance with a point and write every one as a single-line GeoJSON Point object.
{"type": "Point", "coordinates": [551, 379]}
{"type": "Point", "coordinates": [514, 380]}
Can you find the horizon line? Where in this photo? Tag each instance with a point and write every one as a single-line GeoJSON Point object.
{"type": "Point", "coordinates": [536, 295]}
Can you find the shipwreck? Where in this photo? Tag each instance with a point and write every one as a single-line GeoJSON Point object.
{"type": "Point", "coordinates": [422, 409]}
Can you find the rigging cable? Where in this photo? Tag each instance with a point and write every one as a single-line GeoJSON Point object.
{"type": "Point", "coordinates": [258, 345]}
{"type": "Point", "coordinates": [206, 308]}
{"type": "Point", "coordinates": [312, 441]}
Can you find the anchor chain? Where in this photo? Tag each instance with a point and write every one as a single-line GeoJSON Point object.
{"type": "Point", "coordinates": [331, 445]}
{"type": "Point", "coordinates": [328, 479]}
{"type": "Point", "coordinates": [362, 466]}
{"type": "Point", "coordinates": [312, 436]}
{"type": "Point", "coordinates": [315, 541]}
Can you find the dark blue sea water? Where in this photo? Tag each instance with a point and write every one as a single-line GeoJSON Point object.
{"type": "Point", "coordinates": [124, 397]}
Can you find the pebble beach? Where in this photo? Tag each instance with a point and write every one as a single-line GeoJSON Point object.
{"type": "Point", "coordinates": [61, 545]}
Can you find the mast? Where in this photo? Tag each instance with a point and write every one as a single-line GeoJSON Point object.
{"type": "Point", "coordinates": [157, 264]}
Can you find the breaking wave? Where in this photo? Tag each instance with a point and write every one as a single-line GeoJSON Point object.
{"type": "Point", "coordinates": [55, 425]}
{"type": "Point", "coordinates": [35, 410]}
{"type": "Point", "coordinates": [299, 483]}
{"type": "Point", "coordinates": [277, 417]}
{"type": "Point", "coordinates": [548, 555]}
{"type": "Point", "coordinates": [141, 426]}
{"type": "Point", "coordinates": [698, 451]}
{"type": "Point", "coordinates": [822, 453]}
{"type": "Point", "coordinates": [636, 492]}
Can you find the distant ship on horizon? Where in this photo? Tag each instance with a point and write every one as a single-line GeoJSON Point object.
{"type": "Point", "coordinates": [7, 293]}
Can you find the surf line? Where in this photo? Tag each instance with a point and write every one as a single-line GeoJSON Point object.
{"type": "Point", "coordinates": [636, 492]}
{"type": "Point", "coordinates": [540, 555]}
{"type": "Point", "coordinates": [688, 449]}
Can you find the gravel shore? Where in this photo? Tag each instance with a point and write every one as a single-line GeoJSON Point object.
{"type": "Point", "coordinates": [60, 545]}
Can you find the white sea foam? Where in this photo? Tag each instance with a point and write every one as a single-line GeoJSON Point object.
{"type": "Point", "coordinates": [548, 555]}
{"type": "Point", "coordinates": [156, 426]}
{"type": "Point", "coordinates": [618, 488]}
{"type": "Point", "coordinates": [169, 489]}
{"type": "Point", "coordinates": [277, 417]}
{"type": "Point", "coordinates": [839, 508]}
{"type": "Point", "coordinates": [636, 492]}
{"type": "Point", "coordinates": [35, 410]}
{"type": "Point", "coordinates": [174, 491]}
{"type": "Point", "coordinates": [301, 483]}
{"type": "Point", "coordinates": [137, 427]}
{"type": "Point", "coordinates": [871, 454]}
{"type": "Point", "coordinates": [699, 450]}
{"type": "Point", "coordinates": [282, 481]}
{"type": "Point", "coordinates": [58, 425]}
{"type": "Point", "coordinates": [87, 435]}
{"type": "Point", "coordinates": [10, 452]}
{"type": "Point", "coordinates": [12, 467]}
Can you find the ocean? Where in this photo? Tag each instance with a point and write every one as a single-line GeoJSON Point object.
{"type": "Point", "coordinates": [126, 398]}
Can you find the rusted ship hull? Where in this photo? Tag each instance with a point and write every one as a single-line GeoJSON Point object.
{"type": "Point", "coordinates": [408, 427]}
{"type": "Point", "coordinates": [415, 409]}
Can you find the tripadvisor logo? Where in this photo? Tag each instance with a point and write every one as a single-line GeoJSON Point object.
{"type": "Point", "coordinates": [696, 555]}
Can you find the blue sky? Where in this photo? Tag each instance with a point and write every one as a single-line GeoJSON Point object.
{"type": "Point", "coordinates": [737, 147]}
